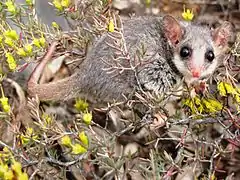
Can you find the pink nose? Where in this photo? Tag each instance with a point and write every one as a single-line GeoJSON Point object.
{"type": "Point", "coordinates": [196, 73]}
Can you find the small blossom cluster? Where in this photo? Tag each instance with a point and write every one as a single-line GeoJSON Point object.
{"type": "Point", "coordinates": [227, 89]}
{"type": "Point", "coordinates": [76, 148]}
{"type": "Point", "coordinates": [82, 107]}
{"type": "Point", "coordinates": [14, 47]}
{"type": "Point", "coordinates": [11, 42]}
{"type": "Point", "coordinates": [4, 103]}
{"type": "Point", "coordinates": [60, 5]}
{"type": "Point", "coordinates": [9, 168]}
{"type": "Point", "coordinates": [11, 7]}
{"type": "Point", "coordinates": [111, 26]}
{"type": "Point", "coordinates": [28, 136]}
{"type": "Point", "coordinates": [8, 40]}
{"type": "Point", "coordinates": [187, 14]}
{"type": "Point", "coordinates": [81, 144]}
{"type": "Point", "coordinates": [200, 105]}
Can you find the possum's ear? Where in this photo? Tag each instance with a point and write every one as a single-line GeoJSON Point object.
{"type": "Point", "coordinates": [172, 29]}
{"type": "Point", "coordinates": [222, 35]}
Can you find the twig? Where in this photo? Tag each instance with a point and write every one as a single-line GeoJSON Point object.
{"type": "Point", "coordinates": [64, 164]}
{"type": "Point", "coordinates": [196, 122]}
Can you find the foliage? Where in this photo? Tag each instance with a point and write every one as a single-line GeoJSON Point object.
{"type": "Point", "coordinates": [117, 146]}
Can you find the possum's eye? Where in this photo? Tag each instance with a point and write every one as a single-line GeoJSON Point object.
{"type": "Point", "coordinates": [185, 52]}
{"type": "Point", "coordinates": [209, 55]}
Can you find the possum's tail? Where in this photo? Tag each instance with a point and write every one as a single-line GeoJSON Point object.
{"type": "Point", "coordinates": [58, 90]}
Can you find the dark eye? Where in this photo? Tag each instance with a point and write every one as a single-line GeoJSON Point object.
{"type": "Point", "coordinates": [185, 52]}
{"type": "Point", "coordinates": [209, 56]}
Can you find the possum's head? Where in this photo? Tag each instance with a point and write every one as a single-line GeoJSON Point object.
{"type": "Point", "coordinates": [197, 49]}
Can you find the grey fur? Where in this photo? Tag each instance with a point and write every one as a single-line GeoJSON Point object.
{"type": "Point", "coordinates": [157, 72]}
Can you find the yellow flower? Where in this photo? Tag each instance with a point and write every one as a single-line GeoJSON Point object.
{"type": "Point", "coordinates": [237, 98]}
{"type": "Point", "coordinates": [11, 61]}
{"type": "Point", "coordinates": [47, 118]}
{"type": "Point", "coordinates": [226, 88]}
{"type": "Point", "coordinates": [1, 39]}
{"type": "Point", "coordinates": [198, 104]}
{"type": "Point", "coordinates": [6, 108]}
{"type": "Point", "coordinates": [78, 149]}
{"type": "Point", "coordinates": [42, 41]}
{"type": "Point", "coordinates": [17, 167]}
{"type": "Point", "coordinates": [29, 131]}
{"type": "Point", "coordinates": [11, 7]}
{"type": "Point", "coordinates": [21, 52]}
{"type": "Point", "coordinates": [3, 169]}
{"type": "Point", "coordinates": [24, 140]}
{"type": "Point", "coordinates": [230, 89]}
{"type": "Point", "coordinates": [65, 3]}
{"type": "Point", "coordinates": [4, 102]}
{"type": "Point", "coordinates": [187, 14]}
{"type": "Point", "coordinates": [147, 2]}
{"type": "Point", "coordinates": [111, 26]}
{"type": "Point", "coordinates": [87, 118]}
{"type": "Point", "coordinates": [66, 141]}
{"type": "Point", "coordinates": [84, 139]}
{"type": "Point", "coordinates": [28, 48]}
{"type": "Point", "coordinates": [29, 135]}
{"type": "Point", "coordinates": [23, 176]}
{"type": "Point", "coordinates": [81, 105]}
{"type": "Point", "coordinates": [9, 41]}
{"type": "Point", "coordinates": [208, 106]}
{"type": "Point", "coordinates": [7, 151]}
{"type": "Point", "coordinates": [57, 4]}
{"type": "Point", "coordinates": [190, 103]}
{"type": "Point", "coordinates": [212, 105]}
{"type": "Point", "coordinates": [36, 42]}
{"type": "Point", "coordinates": [29, 2]}
{"type": "Point", "coordinates": [12, 34]}
{"type": "Point", "coordinates": [213, 177]}
{"type": "Point", "coordinates": [221, 89]}
{"type": "Point", "coordinates": [55, 25]}
{"type": "Point", "coordinates": [218, 106]}
{"type": "Point", "coordinates": [8, 175]}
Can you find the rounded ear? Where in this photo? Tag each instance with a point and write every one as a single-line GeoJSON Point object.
{"type": "Point", "coordinates": [222, 35]}
{"type": "Point", "coordinates": [172, 29]}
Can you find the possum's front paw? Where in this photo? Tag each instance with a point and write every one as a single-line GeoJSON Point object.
{"type": "Point", "coordinates": [201, 87]}
{"type": "Point", "coordinates": [198, 88]}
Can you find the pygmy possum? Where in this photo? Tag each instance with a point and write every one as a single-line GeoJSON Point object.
{"type": "Point", "coordinates": [174, 50]}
